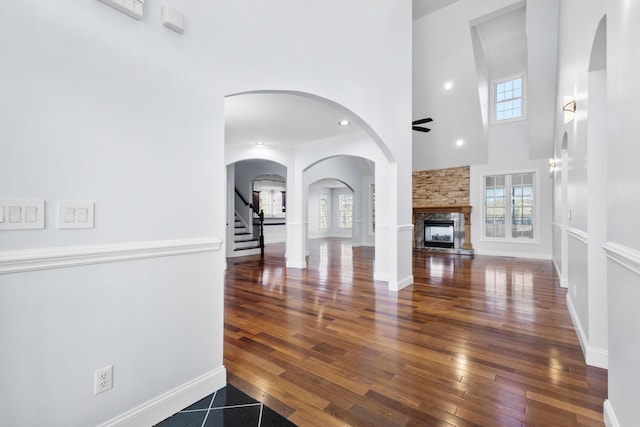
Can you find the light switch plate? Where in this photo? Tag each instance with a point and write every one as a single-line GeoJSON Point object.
{"type": "Point", "coordinates": [21, 214]}
{"type": "Point", "coordinates": [133, 8]}
{"type": "Point", "coordinates": [172, 19]}
{"type": "Point", "coordinates": [75, 214]}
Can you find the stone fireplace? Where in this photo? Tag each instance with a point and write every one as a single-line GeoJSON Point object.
{"type": "Point", "coordinates": [441, 210]}
{"type": "Point", "coordinates": [443, 228]}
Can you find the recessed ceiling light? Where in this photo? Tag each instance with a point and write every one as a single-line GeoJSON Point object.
{"type": "Point", "coordinates": [344, 122]}
{"type": "Point", "coordinates": [259, 143]}
{"type": "Point", "coordinates": [448, 85]}
{"type": "Point", "coordinates": [459, 143]}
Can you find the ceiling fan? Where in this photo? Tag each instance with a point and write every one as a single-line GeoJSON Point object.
{"type": "Point", "coordinates": [419, 122]}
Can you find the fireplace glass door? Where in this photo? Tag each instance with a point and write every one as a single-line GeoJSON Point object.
{"type": "Point", "coordinates": [438, 234]}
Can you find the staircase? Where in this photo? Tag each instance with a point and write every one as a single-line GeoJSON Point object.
{"type": "Point", "coordinates": [244, 241]}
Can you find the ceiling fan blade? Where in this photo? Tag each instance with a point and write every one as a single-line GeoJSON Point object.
{"type": "Point", "coordinates": [420, 129]}
{"type": "Point", "coordinates": [421, 121]}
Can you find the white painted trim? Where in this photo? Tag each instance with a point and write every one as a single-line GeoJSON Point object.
{"type": "Point", "coordinates": [582, 338]}
{"type": "Point", "coordinates": [405, 227]}
{"type": "Point", "coordinates": [598, 357]}
{"type": "Point", "coordinates": [623, 255]}
{"type": "Point", "coordinates": [529, 255]}
{"type": "Point", "coordinates": [564, 283]}
{"type": "Point", "coordinates": [610, 419]}
{"type": "Point", "coordinates": [397, 286]}
{"type": "Point", "coordinates": [492, 101]}
{"type": "Point", "coordinates": [246, 252]}
{"type": "Point", "coordinates": [578, 234]}
{"type": "Point", "coordinates": [301, 265]}
{"type": "Point", "coordinates": [157, 409]}
{"type": "Point", "coordinates": [593, 356]}
{"type": "Point", "coordinates": [380, 277]}
{"type": "Point", "coordinates": [71, 256]}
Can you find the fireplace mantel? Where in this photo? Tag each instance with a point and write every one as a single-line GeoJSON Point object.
{"type": "Point", "coordinates": [464, 209]}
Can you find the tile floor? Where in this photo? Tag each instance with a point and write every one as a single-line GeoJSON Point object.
{"type": "Point", "coordinates": [228, 407]}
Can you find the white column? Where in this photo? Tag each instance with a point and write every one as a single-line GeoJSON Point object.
{"type": "Point", "coordinates": [296, 219]}
{"type": "Point", "coordinates": [393, 261]}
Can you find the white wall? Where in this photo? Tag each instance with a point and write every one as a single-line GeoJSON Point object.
{"type": "Point", "coordinates": [313, 212]}
{"type": "Point", "coordinates": [583, 177]}
{"type": "Point", "coordinates": [333, 230]}
{"type": "Point", "coordinates": [464, 111]}
{"type": "Point", "coordinates": [355, 172]}
{"type": "Point", "coordinates": [589, 147]}
{"type": "Point", "coordinates": [97, 106]}
{"type": "Point", "coordinates": [623, 204]}
{"type": "Point", "coordinates": [456, 113]}
{"type": "Point", "coordinates": [245, 174]}
{"type": "Point", "coordinates": [508, 148]}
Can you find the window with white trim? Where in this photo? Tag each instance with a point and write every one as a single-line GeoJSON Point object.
{"type": "Point", "coordinates": [345, 210]}
{"type": "Point", "coordinates": [324, 211]}
{"type": "Point", "coordinates": [508, 98]}
{"type": "Point", "coordinates": [509, 206]}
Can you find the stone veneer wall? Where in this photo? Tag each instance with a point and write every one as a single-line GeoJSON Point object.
{"type": "Point", "coordinates": [441, 187]}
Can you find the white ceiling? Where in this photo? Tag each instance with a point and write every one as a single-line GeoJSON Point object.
{"type": "Point", "coordinates": [328, 183]}
{"type": "Point", "coordinates": [425, 7]}
{"type": "Point", "coordinates": [283, 119]}
{"type": "Point", "coordinates": [504, 39]}
{"type": "Point", "coordinates": [286, 119]}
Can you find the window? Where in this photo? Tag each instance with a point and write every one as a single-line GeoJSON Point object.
{"type": "Point", "coordinates": [269, 195]}
{"type": "Point", "coordinates": [373, 208]}
{"type": "Point", "coordinates": [509, 200]}
{"type": "Point", "coordinates": [324, 211]}
{"type": "Point", "coordinates": [345, 210]}
{"type": "Point", "coordinates": [271, 202]}
{"type": "Point", "coordinates": [509, 98]}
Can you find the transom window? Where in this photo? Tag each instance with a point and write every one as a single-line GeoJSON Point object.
{"type": "Point", "coordinates": [509, 206]}
{"type": "Point", "coordinates": [509, 98]}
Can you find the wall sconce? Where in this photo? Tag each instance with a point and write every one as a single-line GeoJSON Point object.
{"type": "Point", "coordinates": [552, 167]}
{"type": "Point", "coordinates": [569, 108]}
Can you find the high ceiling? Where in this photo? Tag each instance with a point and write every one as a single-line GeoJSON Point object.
{"type": "Point", "coordinates": [504, 39]}
{"type": "Point", "coordinates": [425, 7]}
{"type": "Point", "coordinates": [277, 118]}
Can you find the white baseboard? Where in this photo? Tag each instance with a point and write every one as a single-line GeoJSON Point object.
{"type": "Point", "coordinates": [593, 356]}
{"type": "Point", "coordinates": [167, 404]}
{"type": "Point", "coordinates": [528, 255]}
{"type": "Point", "coordinates": [401, 284]}
{"type": "Point", "coordinates": [300, 264]}
{"type": "Point", "coordinates": [564, 283]}
{"type": "Point", "coordinates": [380, 277]}
{"type": "Point", "coordinates": [610, 419]}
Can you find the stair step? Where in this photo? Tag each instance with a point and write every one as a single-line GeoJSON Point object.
{"type": "Point", "coordinates": [246, 244]}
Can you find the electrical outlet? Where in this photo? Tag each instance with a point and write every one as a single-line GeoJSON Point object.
{"type": "Point", "coordinates": [104, 379]}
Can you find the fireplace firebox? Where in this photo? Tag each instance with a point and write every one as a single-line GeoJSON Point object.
{"type": "Point", "coordinates": [438, 233]}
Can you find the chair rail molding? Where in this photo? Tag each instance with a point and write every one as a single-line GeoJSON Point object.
{"type": "Point", "coordinates": [578, 234]}
{"type": "Point", "coordinates": [623, 255]}
{"type": "Point", "coordinates": [71, 256]}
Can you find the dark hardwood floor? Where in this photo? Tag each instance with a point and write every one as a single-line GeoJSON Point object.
{"type": "Point", "coordinates": [474, 341]}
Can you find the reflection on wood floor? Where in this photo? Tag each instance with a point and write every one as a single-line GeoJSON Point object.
{"type": "Point", "coordinates": [474, 341]}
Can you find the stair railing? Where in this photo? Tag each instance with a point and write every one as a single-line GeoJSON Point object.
{"type": "Point", "coordinates": [258, 230]}
{"type": "Point", "coordinates": [242, 198]}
